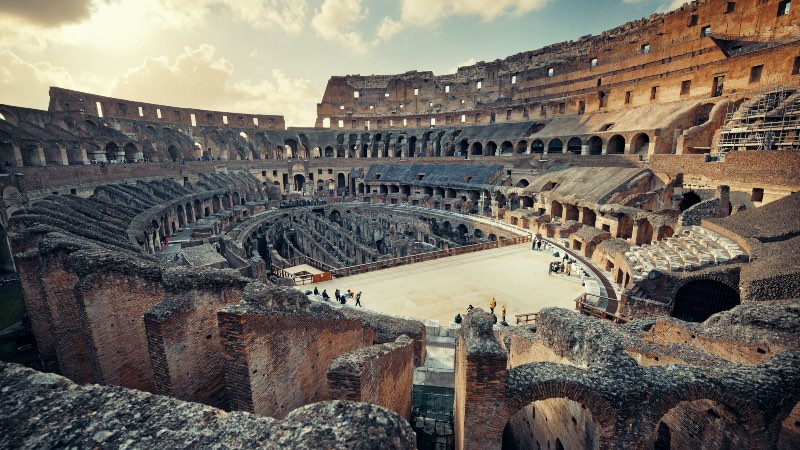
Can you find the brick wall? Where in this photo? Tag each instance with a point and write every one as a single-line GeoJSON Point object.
{"type": "Point", "coordinates": [183, 337]}
{"type": "Point", "coordinates": [36, 307]}
{"type": "Point", "coordinates": [543, 423]}
{"type": "Point", "coordinates": [111, 308]}
{"type": "Point", "coordinates": [278, 362]}
{"type": "Point", "coordinates": [70, 344]}
{"type": "Point", "coordinates": [381, 374]}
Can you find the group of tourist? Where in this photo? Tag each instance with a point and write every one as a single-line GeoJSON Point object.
{"type": "Point", "coordinates": [536, 243]}
{"type": "Point", "coordinates": [565, 266]}
{"type": "Point", "coordinates": [340, 298]}
{"type": "Point", "coordinates": [302, 202]}
{"type": "Point", "coordinates": [492, 306]}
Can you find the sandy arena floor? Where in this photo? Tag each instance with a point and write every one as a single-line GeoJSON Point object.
{"type": "Point", "coordinates": [516, 276]}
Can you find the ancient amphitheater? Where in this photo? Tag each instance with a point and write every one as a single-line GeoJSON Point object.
{"type": "Point", "coordinates": [662, 156]}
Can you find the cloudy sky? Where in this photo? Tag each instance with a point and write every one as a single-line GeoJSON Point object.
{"type": "Point", "coordinates": [269, 56]}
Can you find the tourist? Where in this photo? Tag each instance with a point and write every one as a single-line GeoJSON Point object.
{"type": "Point", "coordinates": [492, 304]}
{"type": "Point", "coordinates": [316, 291]}
{"type": "Point", "coordinates": [338, 296]}
{"type": "Point", "coordinates": [503, 312]}
{"type": "Point", "coordinates": [458, 318]}
{"type": "Point", "coordinates": [358, 299]}
{"type": "Point", "coordinates": [325, 295]}
{"type": "Point", "coordinates": [494, 319]}
{"type": "Point", "coordinates": [539, 244]}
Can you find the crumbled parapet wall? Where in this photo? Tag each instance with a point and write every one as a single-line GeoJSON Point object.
{"type": "Point", "coordinates": [183, 337]}
{"type": "Point", "coordinates": [388, 329]}
{"type": "Point", "coordinates": [746, 334]}
{"type": "Point", "coordinates": [600, 367]}
{"type": "Point", "coordinates": [279, 345]}
{"type": "Point", "coordinates": [381, 374]}
{"type": "Point", "coordinates": [42, 410]}
{"type": "Point", "coordinates": [480, 381]}
{"type": "Point", "coordinates": [695, 214]}
{"type": "Point", "coordinates": [112, 294]}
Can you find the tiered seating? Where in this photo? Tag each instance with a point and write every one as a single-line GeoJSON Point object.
{"type": "Point", "coordinates": [768, 121]}
{"type": "Point", "coordinates": [693, 248]}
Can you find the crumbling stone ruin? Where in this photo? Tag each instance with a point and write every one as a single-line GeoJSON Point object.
{"type": "Point", "coordinates": [661, 154]}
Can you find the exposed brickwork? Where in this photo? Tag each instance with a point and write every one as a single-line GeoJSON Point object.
{"type": "Point", "coordinates": [381, 374]}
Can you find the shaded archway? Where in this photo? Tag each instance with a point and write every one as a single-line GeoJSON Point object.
{"type": "Point", "coordinates": [554, 423]}
{"type": "Point", "coordinates": [537, 146]}
{"type": "Point", "coordinates": [113, 152]}
{"type": "Point", "coordinates": [720, 427]}
{"type": "Point", "coordinates": [174, 154]}
{"type": "Point", "coordinates": [555, 146]}
{"type": "Point", "coordinates": [698, 300]}
{"type": "Point", "coordinates": [595, 145]}
{"type": "Point", "coordinates": [476, 149]}
{"type": "Point", "coordinates": [491, 148]}
{"type": "Point", "coordinates": [299, 183]}
{"type": "Point", "coordinates": [131, 154]}
{"type": "Point", "coordinates": [640, 143]}
{"type": "Point", "coordinates": [522, 183]}
{"type": "Point", "coordinates": [575, 145]}
{"type": "Point", "coordinates": [689, 199]}
{"type": "Point", "coordinates": [522, 147]}
{"type": "Point", "coordinates": [506, 148]}
{"type": "Point", "coordinates": [616, 145]}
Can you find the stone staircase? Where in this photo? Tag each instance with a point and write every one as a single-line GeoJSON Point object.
{"type": "Point", "coordinates": [695, 247]}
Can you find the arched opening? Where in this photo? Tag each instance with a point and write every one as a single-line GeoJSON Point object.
{"type": "Point", "coordinates": [689, 199]}
{"type": "Point", "coordinates": [522, 183]}
{"type": "Point", "coordinates": [556, 210]}
{"type": "Point", "coordinates": [640, 143]}
{"type": "Point", "coordinates": [7, 153]}
{"type": "Point", "coordinates": [705, 424]}
{"type": "Point", "coordinates": [463, 147]}
{"type": "Point", "coordinates": [506, 148]}
{"type": "Point", "coordinates": [290, 146]}
{"type": "Point", "coordinates": [575, 145]}
{"type": "Point", "coordinates": [595, 145]}
{"type": "Point", "coordinates": [555, 423]}
{"type": "Point", "coordinates": [462, 234]}
{"type": "Point", "coordinates": [412, 146]}
{"type": "Point", "coordinates": [478, 233]}
{"type": "Point", "coordinates": [340, 181]}
{"type": "Point", "coordinates": [644, 233]}
{"type": "Point", "coordinates": [616, 145]}
{"type": "Point", "coordinates": [174, 154]}
{"type": "Point", "coordinates": [522, 147]}
{"type": "Point", "coordinates": [299, 183]}
{"type": "Point", "coordinates": [112, 152]}
{"type": "Point", "coordinates": [697, 300]}
{"type": "Point", "coordinates": [329, 152]}
{"type": "Point", "coordinates": [537, 146]}
{"type": "Point", "coordinates": [476, 149]}
{"type": "Point", "coordinates": [589, 217]}
{"type": "Point", "coordinates": [491, 148]}
{"type": "Point", "coordinates": [555, 146]}
{"type": "Point", "coordinates": [665, 232]}
{"type": "Point", "coordinates": [527, 202]}
{"type": "Point", "coordinates": [131, 154]}
{"type": "Point", "coordinates": [625, 228]}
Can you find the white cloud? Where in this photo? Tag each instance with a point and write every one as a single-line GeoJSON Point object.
{"type": "Point", "coordinates": [287, 14]}
{"type": "Point", "coordinates": [47, 13]}
{"type": "Point", "coordinates": [388, 28]}
{"type": "Point", "coordinates": [468, 62]}
{"type": "Point", "coordinates": [199, 79]}
{"type": "Point", "coordinates": [431, 12]}
{"type": "Point", "coordinates": [335, 20]}
{"type": "Point", "coordinates": [26, 84]}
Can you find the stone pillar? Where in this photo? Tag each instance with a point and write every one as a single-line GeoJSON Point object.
{"type": "Point", "coordinates": [604, 150]}
{"type": "Point", "coordinates": [36, 156]}
{"type": "Point", "coordinates": [584, 148]}
{"type": "Point", "coordinates": [61, 156]}
{"type": "Point", "coordinates": [480, 383]}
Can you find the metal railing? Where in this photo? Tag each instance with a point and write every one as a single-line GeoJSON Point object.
{"type": "Point", "coordinates": [527, 318]}
{"type": "Point", "coordinates": [422, 257]}
{"type": "Point", "coordinates": [584, 307]}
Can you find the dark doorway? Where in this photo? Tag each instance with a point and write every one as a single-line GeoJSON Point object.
{"type": "Point", "coordinates": [689, 199]}
{"type": "Point", "coordinates": [698, 300]}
